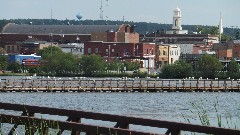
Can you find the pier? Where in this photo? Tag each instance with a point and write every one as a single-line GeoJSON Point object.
{"type": "Point", "coordinates": [118, 85]}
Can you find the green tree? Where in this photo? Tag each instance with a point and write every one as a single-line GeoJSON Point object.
{"type": "Point", "coordinates": [51, 50]}
{"type": "Point", "coordinates": [130, 66]}
{"type": "Point", "coordinates": [208, 66]}
{"type": "Point", "coordinates": [208, 30]}
{"type": "Point", "coordinates": [56, 62]}
{"type": "Point", "coordinates": [116, 65]}
{"type": "Point", "coordinates": [3, 62]}
{"type": "Point", "coordinates": [225, 37]}
{"type": "Point", "coordinates": [180, 69]}
{"type": "Point", "coordinates": [233, 69]}
{"type": "Point", "coordinates": [15, 67]}
{"type": "Point", "coordinates": [92, 64]}
{"type": "Point", "coordinates": [59, 64]}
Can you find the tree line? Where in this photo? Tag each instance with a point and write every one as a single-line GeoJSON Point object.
{"type": "Point", "coordinates": [54, 62]}
{"type": "Point", "coordinates": [141, 27]}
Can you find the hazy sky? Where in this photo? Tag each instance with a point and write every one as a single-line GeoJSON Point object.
{"type": "Point", "coordinates": [196, 12]}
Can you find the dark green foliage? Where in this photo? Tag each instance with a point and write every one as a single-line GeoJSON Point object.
{"type": "Point", "coordinates": [92, 64]}
{"type": "Point", "coordinates": [15, 67]}
{"type": "Point", "coordinates": [233, 69]}
{"type": "Point", "coordinates": [131, 66]}
{"type": "Point", "coordinates": [116, 65]}
{"type": "Point", "coordinates": [48, 51]}
{"type": "Point", "coordinates": [3, 62]}
{"type": "Point", "coordinates": [179, 70]}
{"type": "Point", "coordinates": [208, 66]}
{"type": "Point", "coordinates": [55, 62]}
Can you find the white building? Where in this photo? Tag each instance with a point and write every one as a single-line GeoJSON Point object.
{"type": "Point", "coordinates": [74, 48]}
{"type": "Point", "coordinates": [177, 23]}
{"type": "Point", "coordinates": [174, 53]}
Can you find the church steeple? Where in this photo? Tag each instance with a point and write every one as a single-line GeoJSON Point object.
{"type": "Point", "coordinates": [220, 28]}
{"type": "Point", "coordinates": [177, 19]}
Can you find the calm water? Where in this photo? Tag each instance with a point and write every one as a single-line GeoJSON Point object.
{"type": "Point", "coordinates": [163, 106]}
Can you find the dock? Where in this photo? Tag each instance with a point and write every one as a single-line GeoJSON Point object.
{"type": "Point", "coordinates": [119, 85]}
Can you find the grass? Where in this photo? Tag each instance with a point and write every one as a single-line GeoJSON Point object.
{"type": "Point", "coordinates": [212, 116]}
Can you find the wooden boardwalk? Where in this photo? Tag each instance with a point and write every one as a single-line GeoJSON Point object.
{"type": "Point", "coordinates": [118, 85]}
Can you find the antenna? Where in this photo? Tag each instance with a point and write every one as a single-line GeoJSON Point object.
{"type": "Point", "coordinates": [51, 15]}
{"type": "Point", "coordinates": [101, 11]}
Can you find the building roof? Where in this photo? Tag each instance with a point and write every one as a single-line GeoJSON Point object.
{"type": "Point", "coordinates": [236, 41]}
{"type": "Point", "coordinates": [177, 9]}
{"type": "Point", "coordinates": [12, 28]}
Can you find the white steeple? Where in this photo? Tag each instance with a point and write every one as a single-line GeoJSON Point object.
{"type": "Point", "coordinates": [177, 19]}
{"type": "Point", "coordinates": [220, 25]}
{"type": "Point", "coordinates": [220, 28]}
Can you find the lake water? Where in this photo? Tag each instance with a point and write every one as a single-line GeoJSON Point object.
{"type": "Point", "coordinates": [163, 106]}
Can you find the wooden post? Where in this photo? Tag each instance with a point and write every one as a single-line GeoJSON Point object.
{"type": "Point", "coordinates": [147, 84]}
{"type": "Point", "coordinates": [183, 84]}
{"type": "Point", "coordinates": [168, 84]}
{"type": "Point", "coordinates": [110, 84]}
{"type": "Point", "coordinates": [197, 84]}
{"type": "Point", "coordinates": [140, 85]}
{"type": "Point", "coordinates": [211, 85]}
{"type": "Point", "coordinates": [225, 85]}
{"type": "Point", "coordinates": [204, 84]}
{"type": "Point", "coordinates": [125, 87]}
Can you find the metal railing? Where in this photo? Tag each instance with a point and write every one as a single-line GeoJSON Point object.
{"type": "Point", "coordinates": [73, 122]}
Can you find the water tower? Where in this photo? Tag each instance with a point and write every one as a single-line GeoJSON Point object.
{"type": "Point", "coordinates": [79, 16]}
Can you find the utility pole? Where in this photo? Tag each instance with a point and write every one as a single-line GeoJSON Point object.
{"type": "Point", "coordinates": [101, 11]}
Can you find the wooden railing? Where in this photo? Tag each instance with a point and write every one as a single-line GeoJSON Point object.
{"type": "Point", "coordinates": [73, 122]}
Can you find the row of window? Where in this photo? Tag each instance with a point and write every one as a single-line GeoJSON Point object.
{"type": "Point", "coordinates": [147, 51]}
{"type": "Point", "coordinates": [164, 52]}
{"type": "Point", "coordinates": [12, 48]}
{"type": "Point", "coordinates": [112, 50]}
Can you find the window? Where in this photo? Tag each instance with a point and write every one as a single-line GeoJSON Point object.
{"type": "Point", "coordinates": [8, 49]}
{"type": "Point", "coordinates": [176, 22]}
{"type": "Point", "coordinates": [147, 51]}
{"type": "Point", "coordinates": [89, 50]}
{"type": "Point", "coordinates": [96, 50]}
{"type": "Point", "coordinates": [12, 48]}
{"type": "Point", "coordinates": [164, 52]}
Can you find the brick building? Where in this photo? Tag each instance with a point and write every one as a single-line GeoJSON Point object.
{"type": "Point", "coordinates": [13, 33]}
{"type": "Point", "coordinates": [162, 38]}
{"type": "Point", "coordinates": [119, 50]}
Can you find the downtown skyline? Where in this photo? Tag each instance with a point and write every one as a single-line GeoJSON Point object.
{"type": "Point", "coordinates": [196, 12]}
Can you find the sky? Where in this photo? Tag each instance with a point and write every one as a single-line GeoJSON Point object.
{"type": "Point", "coordinates": [194, 12]}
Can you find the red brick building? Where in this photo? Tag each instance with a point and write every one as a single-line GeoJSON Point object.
{"type": "Point", "coordinates": [113, 50]}
{"type": "Point", "coordinates": [13, 33]}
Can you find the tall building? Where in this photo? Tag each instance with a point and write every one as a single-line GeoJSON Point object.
{"type": "Point", "coordinates": [177, 23]}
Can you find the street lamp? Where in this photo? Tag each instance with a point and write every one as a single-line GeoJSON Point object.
{"type": "Point", "coordinates": [109, 52]}
{"type": "Point", "coordinates": [51, 39]}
